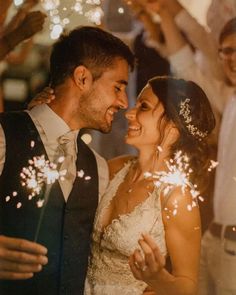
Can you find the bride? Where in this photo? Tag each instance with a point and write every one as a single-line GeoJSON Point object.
{"type": "Point", "coordinates": [142, 219]}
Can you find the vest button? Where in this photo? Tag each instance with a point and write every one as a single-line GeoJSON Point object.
{"type": "Point", "coordinates": [66, 237]}
{"type": "Point", "coordinates": [67, 210]}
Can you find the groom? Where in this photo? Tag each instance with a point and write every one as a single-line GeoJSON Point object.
{"type": "Point", "coordinates": [89, 73]}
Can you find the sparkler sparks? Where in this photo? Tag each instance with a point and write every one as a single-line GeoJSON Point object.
{"type": "Point", "coordinates": [212, 165]}
{"type": "Point", "coordinates": [178, 175]}
{"type": "Point", "coordinates": [59, 15]}
{"type": "Point", "coordinates": [39, 172]}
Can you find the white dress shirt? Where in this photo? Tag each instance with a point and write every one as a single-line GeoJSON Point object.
{"type": "Point", "coordinates": [50, 127]}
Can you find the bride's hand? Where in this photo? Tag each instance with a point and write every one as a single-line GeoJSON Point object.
{"type": "Point", "coordinates": [147, 266]}
{"type": "Point", "coordinates": [45, 96]}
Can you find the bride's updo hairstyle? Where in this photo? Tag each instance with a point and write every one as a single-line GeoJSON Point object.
{"type": "Point", "coordinates": [187, 106]}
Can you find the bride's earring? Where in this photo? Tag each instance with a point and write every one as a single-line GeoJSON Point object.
{"type": "Point", "coordinates": [159, 149]}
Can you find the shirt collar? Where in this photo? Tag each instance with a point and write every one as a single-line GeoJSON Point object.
{"type": "Point", "coordinates": [53, 125]}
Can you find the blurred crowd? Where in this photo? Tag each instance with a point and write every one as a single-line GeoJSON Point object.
{"type": "Point", "coordinates": [23, 68]}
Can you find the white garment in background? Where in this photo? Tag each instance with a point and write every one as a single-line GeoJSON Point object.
{"type": "Point", "coordinates": [218, 255]}
{"type": "Point", "coordinates": [225, 182]}
{"type": "Point", "coordinates": [109, 271]}
{"type": "Point", "coordinates": [217, 274]}
{"type": "Point", "coordinates": [218, 92]}
{"type": "Point", "coordinates": [219, 12]}
{"type": "Point", "coordinates": [203, 41]}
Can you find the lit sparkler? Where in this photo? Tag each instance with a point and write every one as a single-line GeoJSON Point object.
{"type": "Point", "coordinates": [40, 172]}
{"type": "Point", "coordinates": [177, 175]}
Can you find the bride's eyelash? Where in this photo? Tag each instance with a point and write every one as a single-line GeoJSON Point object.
{"type": "Point", "coordinates": [144, 106]}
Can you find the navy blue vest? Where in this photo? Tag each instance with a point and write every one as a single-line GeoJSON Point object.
{"type": "Point", "coordinates": [66, 227]}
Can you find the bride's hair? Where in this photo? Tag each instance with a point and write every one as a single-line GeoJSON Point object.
{"type": "Point", "coordinates": [187, 106]}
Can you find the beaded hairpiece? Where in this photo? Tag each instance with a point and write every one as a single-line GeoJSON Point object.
{"type": "Point", "coordinates": [186, 114]}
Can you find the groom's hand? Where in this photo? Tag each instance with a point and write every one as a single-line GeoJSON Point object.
{"type": "Point", "coordinates": [20, 259]}
{"type": "Point", "coordinates": [45, 96]}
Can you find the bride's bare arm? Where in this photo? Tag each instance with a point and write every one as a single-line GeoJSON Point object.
{"type": "Point", "coordinates": [183, 234]}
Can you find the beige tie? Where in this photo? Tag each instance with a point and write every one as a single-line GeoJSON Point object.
{"type": "Point", "coordinates": [67, 147]}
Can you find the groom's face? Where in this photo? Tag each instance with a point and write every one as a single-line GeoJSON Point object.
{"type": "Point", "coordinates": [106, 96]}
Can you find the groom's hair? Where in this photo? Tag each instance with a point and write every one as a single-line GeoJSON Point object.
{"type": "Point", "coordinates": [91, 47]}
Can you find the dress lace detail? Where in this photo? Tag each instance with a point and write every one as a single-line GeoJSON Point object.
{"type": "Point", "coordinates": [109, 271]}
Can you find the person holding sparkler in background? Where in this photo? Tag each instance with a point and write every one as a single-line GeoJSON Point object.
{"type": "Point", "coordinates": [149, 210]}
{"type": "Point", "coordinates": [89, 73]}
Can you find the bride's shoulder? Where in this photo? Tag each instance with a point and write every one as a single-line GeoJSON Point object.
{"type": "Point", "coordinates": [117, 163]}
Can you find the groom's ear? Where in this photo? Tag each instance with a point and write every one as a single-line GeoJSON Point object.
{"type": "Point", "coordinates": [82, 77]}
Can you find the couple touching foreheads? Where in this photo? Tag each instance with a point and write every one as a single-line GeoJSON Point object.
{"type": "Point", "coordinates": [108, 236]}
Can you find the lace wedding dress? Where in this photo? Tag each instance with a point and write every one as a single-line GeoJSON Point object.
{"type": "Point", "coordinates": [109, 272]}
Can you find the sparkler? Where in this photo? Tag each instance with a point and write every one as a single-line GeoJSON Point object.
{"type": "Point", "coordinates": [40, 172]}
{"type": "Point", "coordinates": [178, 175]}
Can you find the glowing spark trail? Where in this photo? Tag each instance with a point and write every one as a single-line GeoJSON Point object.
{"type": "Point", "coordinates": [177, 175]}
{"type": "Point", "coordinates": [40, 172]}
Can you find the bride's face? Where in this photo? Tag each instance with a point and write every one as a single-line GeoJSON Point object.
{"type": "Point", "coordinates": [146, 121]}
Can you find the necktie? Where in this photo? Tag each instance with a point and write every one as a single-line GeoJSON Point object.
{"type": "Point", "coordinates": [67, 147]}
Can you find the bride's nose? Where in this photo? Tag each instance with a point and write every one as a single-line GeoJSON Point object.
{"type": "Point", "coordinates": [130, 114]}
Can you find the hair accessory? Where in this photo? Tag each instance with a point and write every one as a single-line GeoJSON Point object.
{"type": "Point", "coordinates": [186, 114]}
